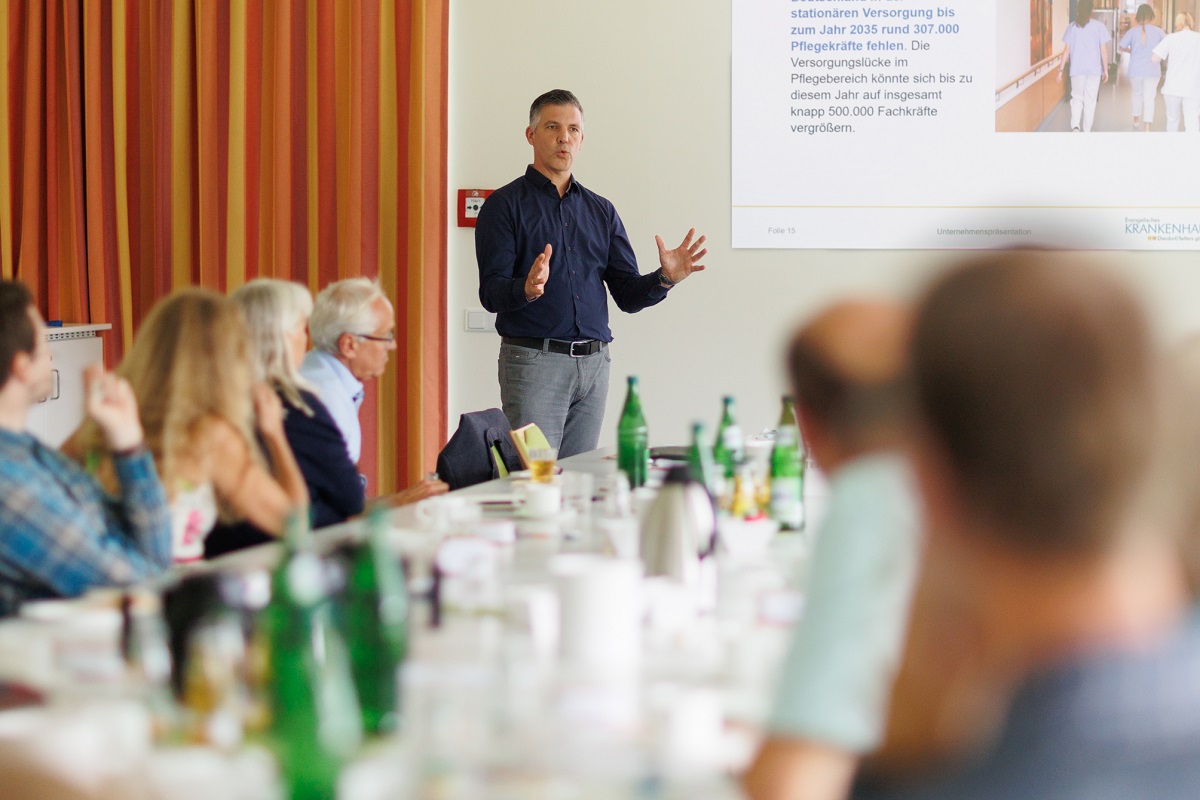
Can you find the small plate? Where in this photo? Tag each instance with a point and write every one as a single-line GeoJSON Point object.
{"type": "Point", "coordinates": [493, 502]}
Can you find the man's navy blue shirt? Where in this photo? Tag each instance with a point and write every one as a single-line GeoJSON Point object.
{"type": "Point", "coordinates": [590, 250]}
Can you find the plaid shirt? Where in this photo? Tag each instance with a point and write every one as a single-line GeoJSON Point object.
{"type": "Point", "coordinates": [61, 533]}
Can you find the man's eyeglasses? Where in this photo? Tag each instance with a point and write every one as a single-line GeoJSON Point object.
{"type": "Point", "coordinates": [389, 339]}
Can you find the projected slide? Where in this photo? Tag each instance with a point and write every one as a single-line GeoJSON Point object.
{"type": "Point", "coordinates": [944, 124]}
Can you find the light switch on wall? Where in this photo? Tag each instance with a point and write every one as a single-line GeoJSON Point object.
{"type": "Point", "coordinates": [478, 320]}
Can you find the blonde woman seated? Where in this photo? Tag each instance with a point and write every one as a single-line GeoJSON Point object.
{"type": "Point", "coordinates": [276, 314]}
{"type": "Point", "coordinates": [191, 370]}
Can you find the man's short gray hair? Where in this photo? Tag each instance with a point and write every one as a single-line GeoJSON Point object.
{"type": "Point", "coordinates": [554, 97]}
{"type": "Point", "coordinates": [343, 307]}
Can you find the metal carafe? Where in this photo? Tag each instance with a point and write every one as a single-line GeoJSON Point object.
{"type": "Point", "coordinates": [676, 530]}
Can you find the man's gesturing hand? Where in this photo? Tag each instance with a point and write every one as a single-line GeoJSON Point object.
{"type": "Point", "coordinates": [677, 264]}
{"type": "Point", "coordinates": [539, 273]}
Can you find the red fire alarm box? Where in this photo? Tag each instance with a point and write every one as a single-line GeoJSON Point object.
{"type": "Point", "coordinates": [469, 203]}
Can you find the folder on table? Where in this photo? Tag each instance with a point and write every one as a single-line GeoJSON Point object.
{"type": "Point", "coordinates": [526, 438]}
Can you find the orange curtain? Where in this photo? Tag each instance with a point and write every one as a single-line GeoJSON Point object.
{"type": "Point", "coordinates": [153, 144]}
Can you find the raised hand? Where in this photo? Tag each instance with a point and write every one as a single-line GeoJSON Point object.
{"type": "Point", "coordinates": [111, 403]}
{"type": "Point", "coordinates": [268, 412]}
{"type": "Point", "coordinates": [677, 264]}
{"type": "Point", "coordinates": [539, 273]}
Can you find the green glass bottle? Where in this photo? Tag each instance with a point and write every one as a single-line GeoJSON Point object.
{"type": "Point", "coordinates": [374, 616]}
{"type": "Point", "coordinates": [729, 448]}
{"type": "Point", "coordinates": [700, 462]}
{"type": "Point", "coordinates": [787, 416]}
{"type": "Point", "coordinates": [787, 472]}
{"type": "Point", "coordinates": [633, 449]}
{"type": "Point", "coordinates": [314, 724]}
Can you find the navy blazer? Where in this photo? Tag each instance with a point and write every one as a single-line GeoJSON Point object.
{"type": "Point", "coordinates": [335, 490]}
{"type": "Point", "coordinates": [467, 458]}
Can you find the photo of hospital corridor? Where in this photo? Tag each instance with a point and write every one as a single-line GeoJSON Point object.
{"type": "Point", "coordinates": [1030, 54]}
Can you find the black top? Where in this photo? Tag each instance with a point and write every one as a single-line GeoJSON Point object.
{"type": "Point", "coordinates": [334, 487]}
{"type": "Point", "coordinates": [590, 250]}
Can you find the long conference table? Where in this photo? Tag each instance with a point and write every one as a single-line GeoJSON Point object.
{"type": "Point", "coordinates": [555, 669]}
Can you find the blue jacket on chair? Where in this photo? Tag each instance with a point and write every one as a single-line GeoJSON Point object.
{"type": "Point", "coordinates": [467, 458]}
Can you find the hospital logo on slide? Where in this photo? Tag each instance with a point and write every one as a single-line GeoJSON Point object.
{"type": "Point", "coordinates": [1154, 229]}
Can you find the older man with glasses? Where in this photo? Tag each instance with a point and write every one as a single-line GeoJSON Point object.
{"type": "Point", "coordinates": [353, 329]}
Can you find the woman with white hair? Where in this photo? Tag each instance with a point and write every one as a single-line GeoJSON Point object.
{"type": "Point", "coordinates": [276, 314]}
{"type": "Point", "coordinates": [1181, 87]}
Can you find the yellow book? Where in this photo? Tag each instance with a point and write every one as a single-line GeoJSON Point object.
{"type": "Point", "coordinates": [526, 438]}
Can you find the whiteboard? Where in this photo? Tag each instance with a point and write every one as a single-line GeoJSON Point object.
{"type": "Point", "coordinates": [873, 124]}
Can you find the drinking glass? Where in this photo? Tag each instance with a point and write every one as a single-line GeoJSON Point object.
{"type": "Point", "coordinates": [617, 495]}
{"type": "Point", "coordinates": [214, 690]}
{"type": "Point", "coordinates": [577, 492]}
{"type": "Point", "coordinates": [541, 464]}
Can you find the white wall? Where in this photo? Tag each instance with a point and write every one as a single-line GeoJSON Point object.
{"type": "Point", "coordinates": [654, 80]}
{"type": "Point", "coordinates": [1061, 15]}
{"type": "Point", "coordinates": [1012, 41]}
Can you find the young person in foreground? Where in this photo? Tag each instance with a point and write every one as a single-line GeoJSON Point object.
{"type": "Point", "coordinates": [60, 533]}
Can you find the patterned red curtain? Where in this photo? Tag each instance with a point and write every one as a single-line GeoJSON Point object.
{"type": "Point", "coordinates": [154, 144]}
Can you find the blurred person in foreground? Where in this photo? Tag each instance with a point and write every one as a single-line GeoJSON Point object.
{"type": "Point", "coordinates": [848, 370]}
{"type": "Point", "coordinates": [191, 370]}
{"type": "Point", "coordinates": [353, 327]}
{"type": "Point", "coordinates": [1183, 371]}
{"type": "Point", "coordinates": [1051, 653]}
{"type": "Point", "coordinates": [60, 532]}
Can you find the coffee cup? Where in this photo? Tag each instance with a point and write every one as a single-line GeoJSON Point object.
{"type": "Point", "coordinates": [599, 612]}
{"type": "Point", "coordinates": [541, 500]}
{"type": "Point", "coordinates": [444, 512]}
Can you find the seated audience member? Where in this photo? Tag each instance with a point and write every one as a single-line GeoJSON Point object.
{"type": "Point", "coordinates": [276, 314]}
{"type": "Point", "coordinates": [1051, 653]}
{"type": "Point", "coordinates": [60, 533]}
{"type": "Point", "coordinates": [848, 374]}
{"type": "Point", "coordinates": [191, 369]}
{"type": "Point", "coordinates": [353, 329]}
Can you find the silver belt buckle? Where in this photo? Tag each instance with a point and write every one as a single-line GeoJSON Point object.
{"type": "Point", "coordinates": [577, 355]}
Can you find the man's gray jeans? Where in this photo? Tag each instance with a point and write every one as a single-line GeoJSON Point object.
{"type": "Point", "coordinates": [563, 395]}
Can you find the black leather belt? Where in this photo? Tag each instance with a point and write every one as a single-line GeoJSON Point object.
{"type": "Point", "coordinates": [576, 349]}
